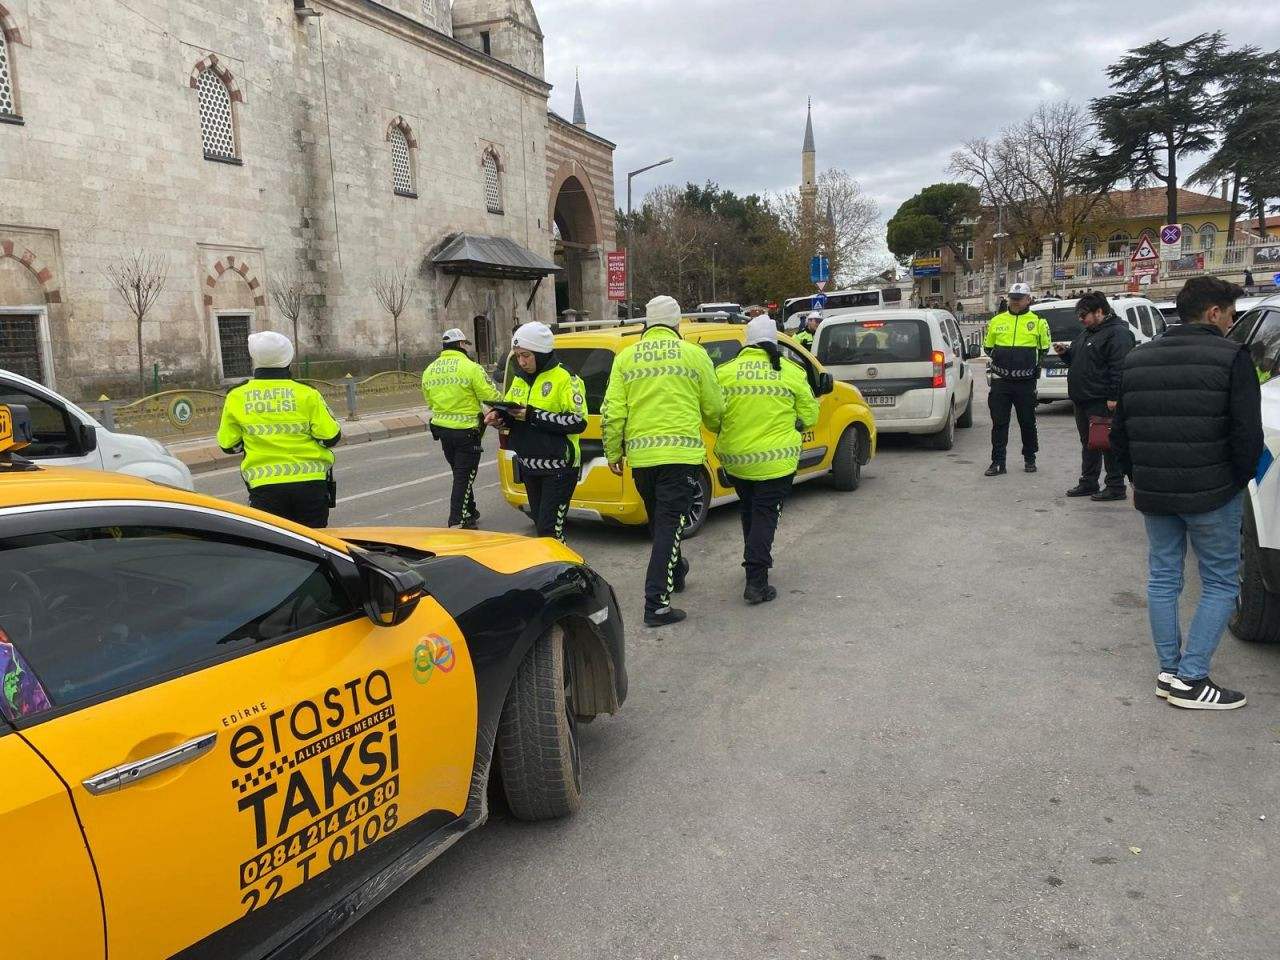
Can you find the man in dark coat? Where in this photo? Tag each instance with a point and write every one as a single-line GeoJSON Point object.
{"type": "Point", "coordinates": [1094, 360]}
{"type": "Point", "coordinates": [1188, 433]}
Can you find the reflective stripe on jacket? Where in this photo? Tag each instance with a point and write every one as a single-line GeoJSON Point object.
{"type": "Point", "coordinates": [661, 393]}
{"type": "Point", "coordinates": [758, 438]}
{"type": "Point", "coordinates": [454, 386]}
{"type": "Point", "coordinates": [1016, 343]}
{"type": "Point", "coordinates": [284, 427]}
{"type": "Point", "coordinates": [547, 441]}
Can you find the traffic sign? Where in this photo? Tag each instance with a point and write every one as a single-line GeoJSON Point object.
{"type": "Point", "coordinates": [1144, 251]}
{"type": "Point", "coordinates": [1276, 279]}
{"type": "Point", "coordinates": [820, 270]}
{"type": "Point", "coordinates": [1170, 241]}
{"type": "Point", "coordinates": [819, 302]}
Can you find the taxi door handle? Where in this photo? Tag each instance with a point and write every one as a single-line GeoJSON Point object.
{"type": "Point", "coordinates": [126, 775]}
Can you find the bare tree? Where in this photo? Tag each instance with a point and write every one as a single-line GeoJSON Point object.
{"type": "Point", "coordinates": [1032, 172]}
{"type": "Point", "coordinates": [844, 226]}
{"type": "Point", "coordinates": [139, 278]}
{"type": "Point", "coordinates": [394, 289]}
{"type": "Point", "coordinates": [286, 290]}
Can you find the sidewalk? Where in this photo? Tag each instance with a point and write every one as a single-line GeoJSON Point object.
{"type": "Point", "coordinates": [204, 455]}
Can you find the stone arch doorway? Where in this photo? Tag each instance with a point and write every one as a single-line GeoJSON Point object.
{"type": "Point", "coordinates": [236, 302]}
{"type": "Point", "coordinates": [576, 242]}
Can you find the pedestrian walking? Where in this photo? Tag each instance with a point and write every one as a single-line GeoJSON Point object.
{"type": "Point", "coordinates": [1188, 433]}
{"type": "Point", "coordinates": [810, 328]}
{"type": "Point", "coordinates": [454, 387]}
{"type": "Point", "coordinates": [768, 404]}
{"type": "Point", "coordinates": [1094, 361]}
{"type": "Point", "coordinates": [959, 312]}
{"type": "Point", "coordinates": [1016, 342]}
{"type": "Point", "coordinates": [285, 431]}
{"type": "Point", "coordinates": [548, 413]}
{"type": "Point", "coordinates": [661, 393]}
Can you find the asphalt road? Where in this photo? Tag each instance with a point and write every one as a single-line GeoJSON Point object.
{"type": "Point", "coordinates": [942, 741]}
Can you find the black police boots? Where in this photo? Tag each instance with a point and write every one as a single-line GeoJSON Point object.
{"type": "Point", "coordinates": [995, 470]}
{"type": "Point", "coordinates": [758, 590]}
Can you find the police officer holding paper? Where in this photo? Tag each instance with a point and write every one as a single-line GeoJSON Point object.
{"type": "Point", "coordinates": [285, 430]}
{"type": "Point", "coordinates": [454, 387]}
{"type": "Point", "coordinates": [1016, 342]}
{"type": "Point", "coordinates": [662, 392]}
{"type": "Point", "coordinates": [767, 406]}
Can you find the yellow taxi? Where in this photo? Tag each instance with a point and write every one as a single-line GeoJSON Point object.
{"type": "Point", "coordinates": [226, 735]}
{"type": "Point", "coordinates": [843, 441]}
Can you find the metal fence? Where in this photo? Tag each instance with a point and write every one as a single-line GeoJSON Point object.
{"type": "Point", "coordinates": [176, 415]}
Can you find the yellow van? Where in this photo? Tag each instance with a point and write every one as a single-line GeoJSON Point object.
{"type": "Point", "coordinates": [842, 442]}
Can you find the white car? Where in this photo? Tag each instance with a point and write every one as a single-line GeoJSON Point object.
{"type": "Point", "coordinates": [911, 367]}
{"type": "Point", "coordinates": [1257, 613]}
{"type": "Point", "coordinates": [1144, 318]}
{"type": "Point", "coordinates": [66, 436]}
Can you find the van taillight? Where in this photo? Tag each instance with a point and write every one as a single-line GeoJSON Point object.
{"type": "Point", "coordinates": [939, 369]}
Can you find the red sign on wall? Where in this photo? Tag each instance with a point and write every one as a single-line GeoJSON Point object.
{"type": "Point", "coordinates": [617, 275]}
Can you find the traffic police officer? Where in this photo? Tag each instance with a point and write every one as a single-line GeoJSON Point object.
{"type": "Point", "coordinates": [661, 392]}
{"type": "Point", "coordinates": [285, 430]}
{"type": "Point", "coordinates": [1016, 342]}
{"type": "Point", "coordinates": [767, 406]}
{"type": "Point", "coordinates": [454, 386]}
{"type": "Point", "coordinates": [550, 413]}
{"type": "Point", "coordinates": [805, 336]}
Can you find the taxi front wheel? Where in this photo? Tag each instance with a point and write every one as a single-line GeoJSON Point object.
{"type": "Point", "coordinates": [538, 736]}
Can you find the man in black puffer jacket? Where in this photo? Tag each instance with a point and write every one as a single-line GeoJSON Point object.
{"type": "Point", "coordinates": [1188, 433]}
{"type": "Point", "coordinates": [1095, 359]}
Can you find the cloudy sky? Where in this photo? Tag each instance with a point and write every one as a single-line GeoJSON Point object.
{"type": "Point", "coordinates": [896, 87]}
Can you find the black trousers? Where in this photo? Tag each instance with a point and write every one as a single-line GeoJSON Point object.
{"type": "Point", "coordinates": [549, 496]}
{"type": "Point", "coordinates": [303, 501]}
{"type": "Point", "coordinates": [760, 506]}
{"type": "Point", "coordinates": [462, 450]}
{"type": "Point", "coordinates": [1091, 461]}
{"type": "Point", "coordinates": [1006, 397]}
{"type": "Point", "coordinates": [668, 492]}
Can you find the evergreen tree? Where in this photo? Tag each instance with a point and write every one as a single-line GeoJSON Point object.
{"type": "Point", "coordinates": [941, 215]}
{"type": "Point", "coordinates": [1163, 109]}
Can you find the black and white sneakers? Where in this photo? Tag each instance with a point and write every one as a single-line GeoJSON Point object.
{"type": "Point", "coordinates": [1162, 679]}
{"type": "Point", "coordinates": [1202, 695]}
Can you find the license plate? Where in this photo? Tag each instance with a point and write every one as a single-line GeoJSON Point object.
{"type": "Point", "coordinates": [1056, 371]}
{"type": "Point", "coordinates": [881, 401]}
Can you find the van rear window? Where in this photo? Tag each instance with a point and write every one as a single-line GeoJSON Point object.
{"type": "Point", "coordinates": [1063, 322]}
{"type": "Point", "coordinates": [875, 341]}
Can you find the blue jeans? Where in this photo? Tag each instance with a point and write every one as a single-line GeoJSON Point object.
{"type": "Point", "coordinates": [1215, 537]}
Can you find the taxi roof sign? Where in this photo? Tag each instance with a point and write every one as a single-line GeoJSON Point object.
{"type": "Point", "coordinates": [15, 428]}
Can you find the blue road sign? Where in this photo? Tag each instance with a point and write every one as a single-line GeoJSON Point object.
{"type": "Point", "coordinates": [1276, 279]}
{"type": "Point", "coordinates": [819, 301]}
{"type": "Point", "coordinates": [819, 269]}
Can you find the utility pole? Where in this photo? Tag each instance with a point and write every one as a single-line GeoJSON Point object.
{"type": "Point", "coordinates": [714, 248]}
{"type": "Point", "coordinates": [631, 227]}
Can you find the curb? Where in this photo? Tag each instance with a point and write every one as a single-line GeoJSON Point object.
{"type": "Point", "coordinates": [206, 456]}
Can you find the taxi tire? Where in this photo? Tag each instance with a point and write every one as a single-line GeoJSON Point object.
{"type": "Point", "coordinates": [846, 465]}
{"type": "Point", "coordinates": [1256, 618]}
{"type": "Point", "coordinates": [537, 741]}
{"type": "Point", "coordinates": [698, 521]}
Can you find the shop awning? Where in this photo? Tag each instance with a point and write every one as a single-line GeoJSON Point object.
{"type": "Point", "coordinates": [477, 255]}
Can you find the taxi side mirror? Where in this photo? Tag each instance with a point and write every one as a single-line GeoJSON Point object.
{"type": "Point", "coordinates": [826, 384]}
{"type": "Point", "coordinates": [391, 588]}
{"type": "Point", "coordinates": [972, 352]}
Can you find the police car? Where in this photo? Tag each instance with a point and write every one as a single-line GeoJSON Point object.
{"type": "Point", "coordinates": [842, 442]}
{"type": "Point", "coordinates": [223, 735]}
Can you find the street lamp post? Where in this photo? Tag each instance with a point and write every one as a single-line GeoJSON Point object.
{"type": "Point", "coordinates": [631, 227]}
{"type": "Point", "coordinates": [714, 248]}
{"type": "Point", "coordinates": [999, 239]}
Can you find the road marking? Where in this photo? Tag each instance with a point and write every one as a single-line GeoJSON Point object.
{"type": "Point", "coordinates": [416, 506]}
{"type": "Point", "coordinates": [402, 486]}
{"type": "Point", "coordinates": [372, 443]}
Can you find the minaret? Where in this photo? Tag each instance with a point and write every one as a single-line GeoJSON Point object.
{"type": "Point", "coordinates": [809, 175]}
{"type": "Point", "coordinates": [579, 115]}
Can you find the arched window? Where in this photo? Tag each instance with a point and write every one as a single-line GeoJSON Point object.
{"type": "Point", "coordinates": [217, 123]}
{"type": "Point", "coordinates": [1118, 244]}
{"type": "Point", "coordinates": [1090, 247]}
{"type": "Point", "coordinates": [492, 181]}
{"type": "Point", "coordinates": [402, 149]}
{"type": "Point", "coordinates": [1208, 237]}
{"type": "Point", "coordinates": [1188, 239]}
{"type": "Point", "coordinates": [8, 86]}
